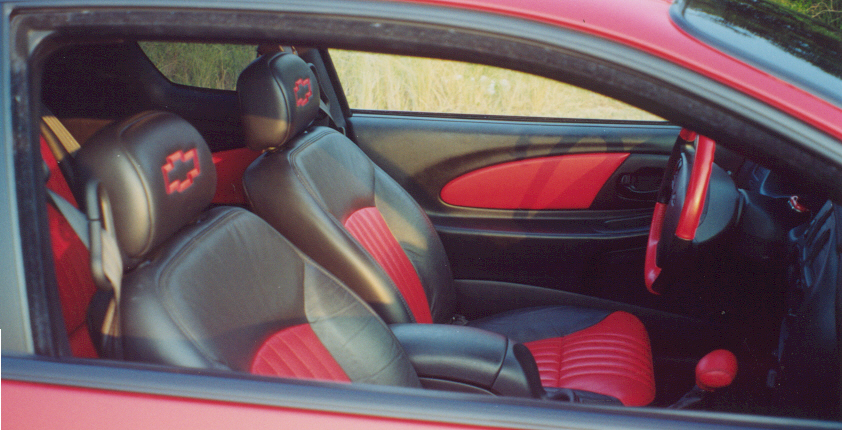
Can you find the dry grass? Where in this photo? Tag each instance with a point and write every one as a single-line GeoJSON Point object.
{"type": "Point", "coordinates": [826, 11]}
{"type": "Point", "coordinates": [387, 82]}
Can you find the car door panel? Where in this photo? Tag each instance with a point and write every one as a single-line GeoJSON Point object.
{"type": "Point", "coordinates": [557, 182]}
{"type": "Point", "coordinates": [566, 245]}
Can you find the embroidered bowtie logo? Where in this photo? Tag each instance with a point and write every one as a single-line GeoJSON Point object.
{"type": "Point", "coordinates": [303, 91]}
{"type": "Point", "coordinates": [180, 169]}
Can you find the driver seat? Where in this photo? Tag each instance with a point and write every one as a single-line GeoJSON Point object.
{"type": "Point", "coordinates": [220, 288]}
{"type": "Point", "coordinates": [318, 189]}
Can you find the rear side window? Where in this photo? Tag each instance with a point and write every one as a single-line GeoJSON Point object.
{"type": "Point", "coordinates": [204, 65]}
{"type": "Point", "coordinates": [411, 84]}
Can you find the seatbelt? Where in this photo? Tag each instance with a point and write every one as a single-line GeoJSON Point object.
{"type": "Point", "coordinates": [106, 263]}
{"type": "Point", "coordinates": [331, 122]}
{"type": "Point", "coordinates": [95, 230]}
{"type": "Point", "coordinates": [60, 132]}
{"type": "Point", "coordinates": [61, 143]}
{"type": "Point", "coordinates": [77, 220]}
{"type": "Point", "coordinates": [325, 109]}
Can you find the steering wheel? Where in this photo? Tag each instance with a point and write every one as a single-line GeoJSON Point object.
{"type": "Point", "coordinates": [678, 208]}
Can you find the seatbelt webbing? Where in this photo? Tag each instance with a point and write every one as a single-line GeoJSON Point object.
{"type": "Point", "coordinates": [70, 144]}
{"type": "Point", "coordinates": [77, 220]}
{"type": "Point", "coordinates": [331, 122]}
{"type": "Point", "coordinates": [95, 231]}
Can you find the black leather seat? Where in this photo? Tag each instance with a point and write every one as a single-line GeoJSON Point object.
{"type": "Point", "coordinates": [326, 196]}
{"type": "Point", "coordinates": [221, 289]}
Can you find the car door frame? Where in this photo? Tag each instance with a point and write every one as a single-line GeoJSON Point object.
{"type": "Point", "coordinates": [34, 352]}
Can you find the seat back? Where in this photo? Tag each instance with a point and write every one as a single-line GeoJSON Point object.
{"type": "Point", "coordinates": [220, 288]}
{"type": "Point", "coordinates": [318, 189]}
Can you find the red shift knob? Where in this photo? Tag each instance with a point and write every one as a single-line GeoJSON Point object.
{"type": "Point", "coordinates": [715, 370]}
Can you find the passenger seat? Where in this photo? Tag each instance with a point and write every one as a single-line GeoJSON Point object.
{"type": "Point", "coordinates": [220, 288]}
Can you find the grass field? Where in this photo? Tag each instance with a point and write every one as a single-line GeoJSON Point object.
{"type": "Point", "coordinates": [388, 82]}
{"type": "Point", "coordinates": [200, 64]}
{"type": "Point", "coordinates": [826, 11]}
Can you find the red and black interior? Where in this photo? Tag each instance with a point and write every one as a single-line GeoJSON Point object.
{"type": "Point", "coordinates": [208, 293]}
{"type": "Point", "coordinates": [320, 191]}
{"type": "Point", "coordinates": [491, 260]}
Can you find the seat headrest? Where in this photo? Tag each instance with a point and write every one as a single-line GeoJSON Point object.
{"type": "Point", "coordinates": [279, 98]}
{"type": "Point", "coordinates": [159, 175]}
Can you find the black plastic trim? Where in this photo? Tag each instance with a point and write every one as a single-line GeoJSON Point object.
{"type": "Point", "coordinates": [509, 118]}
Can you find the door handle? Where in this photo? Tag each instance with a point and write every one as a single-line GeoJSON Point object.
{"type": "Point", "coordinates": [642, 184]}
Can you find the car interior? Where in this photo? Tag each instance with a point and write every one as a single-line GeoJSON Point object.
{"type": "Point", "coordinates": [271, 230]}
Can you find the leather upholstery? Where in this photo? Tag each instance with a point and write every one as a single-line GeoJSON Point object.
{"type": "Point", "coordinates": [370, 229]}
{"type": "Point", "coordinates": [208, 306]}
{"type": "Point", "coordinates": [295, 189]}
{"type": "Point", "coordinates": [584, 349]}
{"type": "Point", "coordinates": [158, 172]}
{"type": "Point", "coordinates": [606, 358]}
{"type": "Point", "coordinates": [310, 360]}
{"type": "Point", "coordinates": [225, 286]}
{"type": "Point", "coordinates": [310, 187]}
{"type": "Point", "coordinates": [290, 88]}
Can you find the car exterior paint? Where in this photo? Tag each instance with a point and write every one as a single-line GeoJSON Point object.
{"type": "Point", "coordinates": [31, 401]}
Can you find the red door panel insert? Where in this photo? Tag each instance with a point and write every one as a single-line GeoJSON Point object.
{"type": "Point", "coordinates": [558, 182]}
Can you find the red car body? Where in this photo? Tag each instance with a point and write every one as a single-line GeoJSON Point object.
{"type": "Point", "coordinates": [35, 394]}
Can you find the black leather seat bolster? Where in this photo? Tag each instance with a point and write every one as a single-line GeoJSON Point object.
{"type": "Point", "coordinates": [547, 322]}
{"type": "Point", "coordinates": [467, 359]}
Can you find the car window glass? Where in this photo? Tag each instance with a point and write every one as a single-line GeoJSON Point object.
{"type": "Point", "coordinates": [401, 83]}
{"type": "Point", "coordinates": [205, 65]}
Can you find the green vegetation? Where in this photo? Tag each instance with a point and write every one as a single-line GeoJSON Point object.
{"type": "Point", "coordinates": [200, 64]}
{"type": "Point", "coordinates": [388, 82]}
{"type": "Point", "coordinates": [826, 11]}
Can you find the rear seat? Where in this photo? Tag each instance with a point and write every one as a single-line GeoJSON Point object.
{"type": "Point", "coordinates": [72, 264]}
